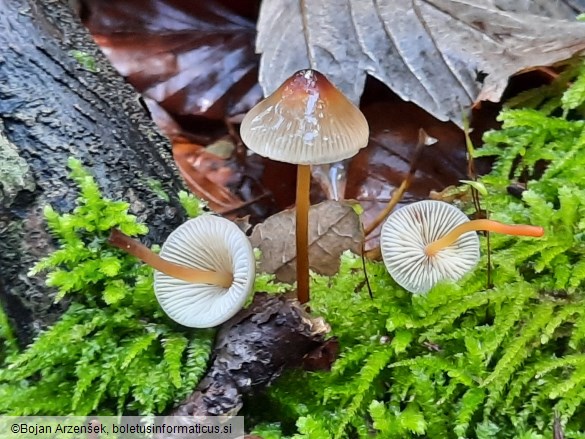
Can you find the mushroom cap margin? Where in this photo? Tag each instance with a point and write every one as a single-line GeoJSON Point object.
{"type": "Point", "coordinates": [306, 121]}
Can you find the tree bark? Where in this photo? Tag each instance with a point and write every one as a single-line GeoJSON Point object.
{"type": "Point", "coordinates": [52, 108]}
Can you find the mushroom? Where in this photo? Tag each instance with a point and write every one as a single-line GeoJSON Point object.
{"type": "Point", "coordinates": [429, 241]}
{"type": "Point", "coordinates": [306, 121]}
{"type": "Point", "coordinates": [204, 273]}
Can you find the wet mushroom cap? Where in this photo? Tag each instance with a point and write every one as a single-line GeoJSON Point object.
{"type": "Point", "coordinates": [407, 232]}
{"type": "Point", "coordinates": [209, 243]}
{"type": "Point", "coordinates": [306, 121]}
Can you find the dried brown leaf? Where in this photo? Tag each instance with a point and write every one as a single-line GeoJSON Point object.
{"type": "Point", "coordinates": [443, 55]}
{"type": "Point", "coordinates": [206, 175]}
{"type": "Point", "coordinates": [194, 58]}
{"type": "Point", "coordinates": [334, 227]}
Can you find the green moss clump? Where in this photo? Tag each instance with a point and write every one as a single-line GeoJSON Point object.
{"type": "Point", "coordinates": [8, 342]}
{"type": "Point", "coordinates": [467, 360]}
{"type": "Point", "coordinates": [113, 351]}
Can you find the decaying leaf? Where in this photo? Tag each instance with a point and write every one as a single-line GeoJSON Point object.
{"type": "Point", "coordinates": [194, 58]}
{"type": "Point", "coordinates": [212, 176]}
{"type": "Point", "coordinates": [560, 9]}
{"type": "Point", "coordinates": [334, 227]}
{"type": "Point", "coordinates": [443, 55]}
{"type": "Point", "coordinates": [233, 183]}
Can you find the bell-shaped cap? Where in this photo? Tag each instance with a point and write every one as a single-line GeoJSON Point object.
{"type": "Point", "coordinates": [208, 243]}
{"type": "Point", "coordinates": [307, 121]}
{"type": "Point", "coordinates": [407, 232]}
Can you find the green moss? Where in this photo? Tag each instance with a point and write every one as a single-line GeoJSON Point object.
{"type": "Point", "coordinates": [8, 343]}
{"type": "Point", "coordinates": [86, 60]}
{"type": "Point", "coordinates": [193, 206]}
{"type": "Point", "coordinates": [468, 360]}
{"type": "Point", "coordinates": [113, 351]}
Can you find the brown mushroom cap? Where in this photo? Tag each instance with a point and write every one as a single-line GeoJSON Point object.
{"type": "Point", "coordinates": [407, 232]}
{"type": "Point", "coordinates": [307, 121]}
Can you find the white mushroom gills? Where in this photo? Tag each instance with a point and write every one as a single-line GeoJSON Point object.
{"type": "Point", "coordinates": [208, 243]}
{"type": "Point", "coordinates": [407, 232]}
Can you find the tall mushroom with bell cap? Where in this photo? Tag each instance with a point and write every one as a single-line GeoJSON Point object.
{"type": "Point", "coordinates": [429, 241]}
{"type": "Point", "coordinates": [204, 273]}
{"type": "Point", "coordinates": [306, 121]}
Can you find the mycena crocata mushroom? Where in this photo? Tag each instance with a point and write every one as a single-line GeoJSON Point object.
{"type": "Point", "coordinates": [204, 273]}
{"type": "Point", "coordinates": [306, 121]}
{"type": "Point", "coordinates": [429, 241]}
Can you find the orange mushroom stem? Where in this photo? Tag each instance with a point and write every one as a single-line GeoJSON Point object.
{"type": "Point", "coordinates": [187, 274]}
{"type": "Point", "coordinates": [302, 231]}
{"type": "Point", "coordinates": [482, 224]}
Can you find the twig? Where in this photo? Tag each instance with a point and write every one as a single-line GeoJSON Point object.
{"type": "Point", "coordinates": [423, 140]}
{"type": "Point", "coordinates": [366, 271]}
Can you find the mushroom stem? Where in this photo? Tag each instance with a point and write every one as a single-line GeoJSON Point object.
{"type": "Point", "coordinates": [483, 224]}
{"type": "Point", "coordinates": [187, 274]}
{"type": "Point", "coordinates": [302, 231]}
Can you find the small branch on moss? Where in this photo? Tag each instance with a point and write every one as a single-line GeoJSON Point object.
{"type": "Point", "coordinates": [251, 351]}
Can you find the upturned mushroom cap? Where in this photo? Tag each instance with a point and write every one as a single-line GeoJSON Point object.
{"type": "Point", "coordinates": [307, 121]}
{"type": "Point", "coordinates": [208, 243]}
{"type": "Point", "coordinates": [407, 232]}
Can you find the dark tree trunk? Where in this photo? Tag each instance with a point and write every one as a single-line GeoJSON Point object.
{"type": "Point", "coordinates": [52, 108]}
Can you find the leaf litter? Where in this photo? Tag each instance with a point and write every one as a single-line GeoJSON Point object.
{"type": "Point", "coordinates": [196, 66]}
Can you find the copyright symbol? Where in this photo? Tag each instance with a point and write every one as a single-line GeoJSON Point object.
{"type": "Point", "coordinates": [15, 428]}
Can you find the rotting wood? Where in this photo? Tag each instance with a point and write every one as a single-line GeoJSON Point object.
{"type": "Point", "coordinates": [252, 350]}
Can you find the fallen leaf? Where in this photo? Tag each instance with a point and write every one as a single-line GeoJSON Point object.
{"type": "Point", "coordinates": [211, 178]}
{"type": "Point", "coordinates": [244, 224]}
{"type": "Point", "coordinates": [193, 58]}
{"type": "Point", "coordinates": [443, 55]}
{"type": "Point", "coordinates": [235, 186]}
{"type": "Point", "coordinates": [559, 9]}
{"type": "Point", "coordinates": [334, 227]}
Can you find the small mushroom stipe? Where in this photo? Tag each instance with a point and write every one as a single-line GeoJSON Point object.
{"type": "Point", "coordinates": [430, 241]}
{"type": "Point", "coordinates": [204, 273]}
{"type": "Point", "coordinates": [135, 248]}
{"type": "Point", "coordinates": [306, 121]}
